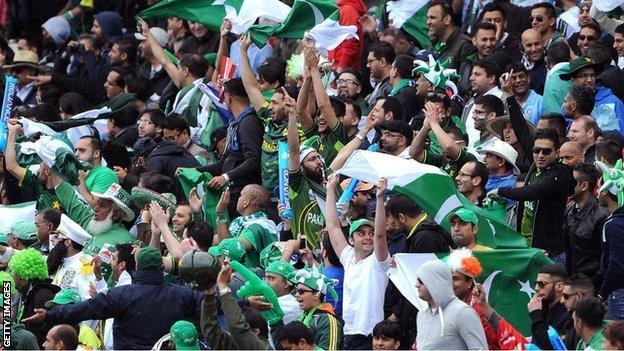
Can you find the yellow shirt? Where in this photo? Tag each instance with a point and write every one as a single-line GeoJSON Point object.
{"type": "Point", "coordinates": [87, 337]}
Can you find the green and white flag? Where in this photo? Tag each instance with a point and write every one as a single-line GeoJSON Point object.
{"type": "Point", "coordinates": [12, 214]}
{"type": "Point", "coordinates": [304, 15]}
{"type": "Point", "coordinates": [508, 277]}
{"type": "Point", "coordinates": [433, 190]}
{"type": "Point", "coordinates": [210, 13]}
{"type": "Point", "coordinates": [329, 34]}
{"type": "Point", "coordinates": [411, 16]}
{"type": "Point", "coordinates": [191, 178]}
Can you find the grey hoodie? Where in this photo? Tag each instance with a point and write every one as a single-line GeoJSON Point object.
{"type": "Point", "coordinates": [453, 325]}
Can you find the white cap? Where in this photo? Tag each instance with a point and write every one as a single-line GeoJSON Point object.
{"type": "Point", "coordinates": [159, 34]}
{"type": "Point", "coordinates": [501, 149]}
{"type": "Point", "coordinates": [72, 231]}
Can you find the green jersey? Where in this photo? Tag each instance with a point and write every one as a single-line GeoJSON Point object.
{"type": "Point", "coordinates": [273, 133]}
{"type": "Point", "coordinates": [528, 215]}
{"type": "Point", "coordinates": [304, 195]}
{"type": "Point", "coordinates": [331, 142]}
{"type": "Point", "coordinates": [100, 178]}
{"type": "Point", "coordinates": [46, 198]}
{"type": "Point", "coordinates": [259, 237]}
{"type": "Point", "coordinates": [434, 145]}
{"type": "Point", "coordinates": [450, 167]}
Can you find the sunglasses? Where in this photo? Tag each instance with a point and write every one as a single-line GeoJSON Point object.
{"type": "Point", "coordinates": [536, 18]}
{"type": "Point", "coordinates": [567, 296]}
{"type": "Point", "coordinates": [587, 37]}
{"type": "Point", "coordinates": [303, 291]}
{"type": "Point", "coordinates": [543, 151]}
{"type": "Point", "coordinates": [542, 284]}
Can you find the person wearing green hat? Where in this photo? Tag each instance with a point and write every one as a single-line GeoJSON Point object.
{"type": "Point", "coordinates": [86, 336]}
{"type": "Point", "coordinates": [366, 260]}
{"type": "Point", "coordinates": [104, 221]}
{"type": "Point", "coordinates": [608, 108]}
{"type": "Point", "coordinates": [311, 289]}
{"type": "Point", "coordinates": [464, 229]}
{"type": "Point", "coordinates": [23, 235]}
{"type": "Point", "coordinates": [30, 274]}
{"type": "Point", "coordinates": [277, 275]}
{"type": "Point", "coordinates": [184, 336]}
{"type": "Point", "coordinates": [140, 319]}
{"type": "Point", "coordinates": [21, 339]}
{"type": "Point", "coordinates": [253, 229]}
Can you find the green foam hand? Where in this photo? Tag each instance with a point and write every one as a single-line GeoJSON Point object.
{"type": "Point", "coordinates": [613, 178]}
{"type": "Point", "coordinates": [254, 286]}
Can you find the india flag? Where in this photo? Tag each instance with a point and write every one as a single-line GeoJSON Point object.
{"type": "Point", "coordinates": [433, 190]}
{"type": "Point", "coordinates": [305, 14]}
{"type": "Point", "coordinates": [409, 15]}
{"type": "Point", "coordinates": [508, 278]}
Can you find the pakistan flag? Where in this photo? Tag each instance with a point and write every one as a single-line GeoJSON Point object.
{"type": "Point", "coordinates": [508, 278]}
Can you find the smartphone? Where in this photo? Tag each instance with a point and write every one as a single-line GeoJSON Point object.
{"type": "Point", "coordinates": [303, 242]}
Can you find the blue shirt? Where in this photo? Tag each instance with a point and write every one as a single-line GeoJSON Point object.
{"type": "Point", "coordinates": [533, 107]}
{"type": "Point", "coordinates": [608, 110]}
{"type": "Point", "coordinates": [338, 274]}
{"type": "Point", "coordinates": [504, 181]}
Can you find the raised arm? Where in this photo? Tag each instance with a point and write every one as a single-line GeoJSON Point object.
{"type": "Point", "coordinates": [159, 53]}
{"type": "Point", "coordinates": [322, 99]}
{"type": "Point", "coordinates": [332, 223]}
{"type": "Point", "coordinates": [160, 218]}
{"type": "Point", "coordinates": [224, 48]}
{"type": "Point", "coordinates": [352, 145]}
{"type": "Point", "coordinates": [10, 156]}
{"type": "Point", "coordinates": [380, 240]}
{"type": "Point", "coordinates": [447, 143]}
{"type": "Point", "coordinates": [305, 116]}
{"type": "Point", "coordinates": [417, 149]}
{"type": "Point", "coordinates": [249, 79]}
{"type": "Point", "coordinates": [293, 135]}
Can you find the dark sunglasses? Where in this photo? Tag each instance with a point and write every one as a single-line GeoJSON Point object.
{"type": "Point", "coordinates": [586, 37]}
{"type": "Point", "coordinates": [303, 291]}
{"type": "Point", "coordinates": [536, 18]}
{"type": "Point", "coordinates": [544, 151]}
{"type": "Point", "coordinates": [542, 284]}
{"type": "Point", "coordinates": [567, 296]}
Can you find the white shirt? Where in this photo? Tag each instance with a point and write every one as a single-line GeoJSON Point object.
{"type": "Point", "coordinates": [290, 307]}
{"type": "Point", "coordinates": [364, 288]}
{"type": "Point", "coordinates": [570, 21]}
{"type": "Point", "coordinates": [70, 276]}
{"type": "Point", "coordinates": [124, 279]}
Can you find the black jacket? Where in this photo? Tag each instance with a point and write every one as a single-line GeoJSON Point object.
{"type": "Point", "coordinates": [458, 47]}
{"type": "Point", "coordinates": [158, 80]}
{"type": "Point", "coordinates": [582, 230]}
{"type": "Point", "coordinates": [126, 137]}
{"type": "Point", "coordinates": [39, 292]}
{"type": "Point", "coordinates": [549, 194]}
{"type": "Point", "coordinates": [241, 160]}
{"type": "Point", "coordinates": [90, 80]}
{"type": "Point", "coordinates": [143, 311]}
{"type": "Point", "coordinates": [612, 264]}
{"type": "Point", "coordinates": [167, 158]}
{"type": "Point", "coordinates": [556, 316]}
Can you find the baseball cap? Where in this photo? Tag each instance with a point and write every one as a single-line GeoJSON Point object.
{"type": "Point", "coordinates": [159, 34]}
{"type": "Point", "coordinates": [64, 297]}
{"type": "Point", "coordinates": [149, 258]}
{"type": "Point", "coordinates": [355, 225]}
{"type": "Point", "coordinates": [184, 335]}
{"type": "Point", "coordinates": [465, 215]}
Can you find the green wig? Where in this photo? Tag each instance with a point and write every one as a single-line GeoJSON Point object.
{"type": "Point", "coordinates": [29, 265]}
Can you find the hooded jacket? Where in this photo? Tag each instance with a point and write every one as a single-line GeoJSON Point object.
{"type": "Point", "coordinates": [452, 325]}
{"type": "Point", "coordinates": [111, 24]}
{"type": "Point", "coordinates": [167, 158]}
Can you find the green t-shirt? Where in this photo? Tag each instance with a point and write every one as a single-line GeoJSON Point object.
{"type": "Point", "coordinates": [46, 198]}
{"type": "Point", "coordinates": [452, 167]}
{"type": "Point", "coordinates": [308, 219]}
{"type": "Point", "coordinates": [332, 142]}
{"type": "Point", "coordinates": [434, 144]}
{"type": "Point", "coordinates": [273, 133]}
{"type": "Point", "coordinates": [595, 343]}
{"type": "Point", "coordinates": [528, 216]}
{"type": "Point", "coordinates": [259, 237]}
{"type": "Point", "coordinates": [100, 178]}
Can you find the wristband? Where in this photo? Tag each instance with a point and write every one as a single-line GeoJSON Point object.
{"type": "Point", "coordinates": [225, 291]}
{"type": "Point", "coordinates": [226, 177]}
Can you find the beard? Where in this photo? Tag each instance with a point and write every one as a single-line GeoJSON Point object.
{"type": "Point", "coordinates": [314, 175]}
{"type": "Point", "coordinates": [96, 227]}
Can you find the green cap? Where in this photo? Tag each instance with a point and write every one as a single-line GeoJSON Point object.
{"type": "Point", "coordinates": [184, 335]}
{"type": "Point", "coordinates": [25, 231]}
{"type": "Point", "coordinates": [211, 58]}
{"type": "Point", "coordinates": [229, 247]}
{"type": "Point", "coordinates": [64, 297]}
{"type": "Point", "coordinates": [465, 215]}
{"type": "Point", "coordinates": [4, 240]}
{"type": "Point", "coordinates": [355, 225]}
{"type": "Point", "coordinates": [282, 268]}
{"type": "Point", "coordinates": [270, 254]}
{"type": "Point", "coordinates": [120, 197]}
{"type": "Point", "coordinates": [149, 258]}
{"type": "Point", "coordinates": [576, 65]}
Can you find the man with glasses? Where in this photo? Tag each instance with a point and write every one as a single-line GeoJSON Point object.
{"type": "Point", "coordinates": [151, 124]}
{"type": "Point", "coordinates": [349, 86]}
{"type": "Point", "coordinates": [471, 180]}
{"type": "Point", "coordinates": [543, 19]}
{"type": "Point", "coordinates": [46, 221]}
{"type": "Point", "coordinates": [545, 307]}
{"type": "Point", "coordinates": [176, 129]}
{"type": "Point", "coordinates": [366, 260]}
{"type": "Point", "coordinates": [576, 287]}
{"type": "Point", "coordinates": [396, 136]}
{"type": "Point", "coordinates": [380, 57]}
{"type": "Point", "coordinates": [608, 109]}
{"type": "Point", "coordinates": [589, 34]}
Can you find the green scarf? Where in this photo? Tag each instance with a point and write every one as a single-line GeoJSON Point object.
{"type": "Point", "coordinates": [400, 85]}
{"type": "Point", "coordinates": [238, 224]}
